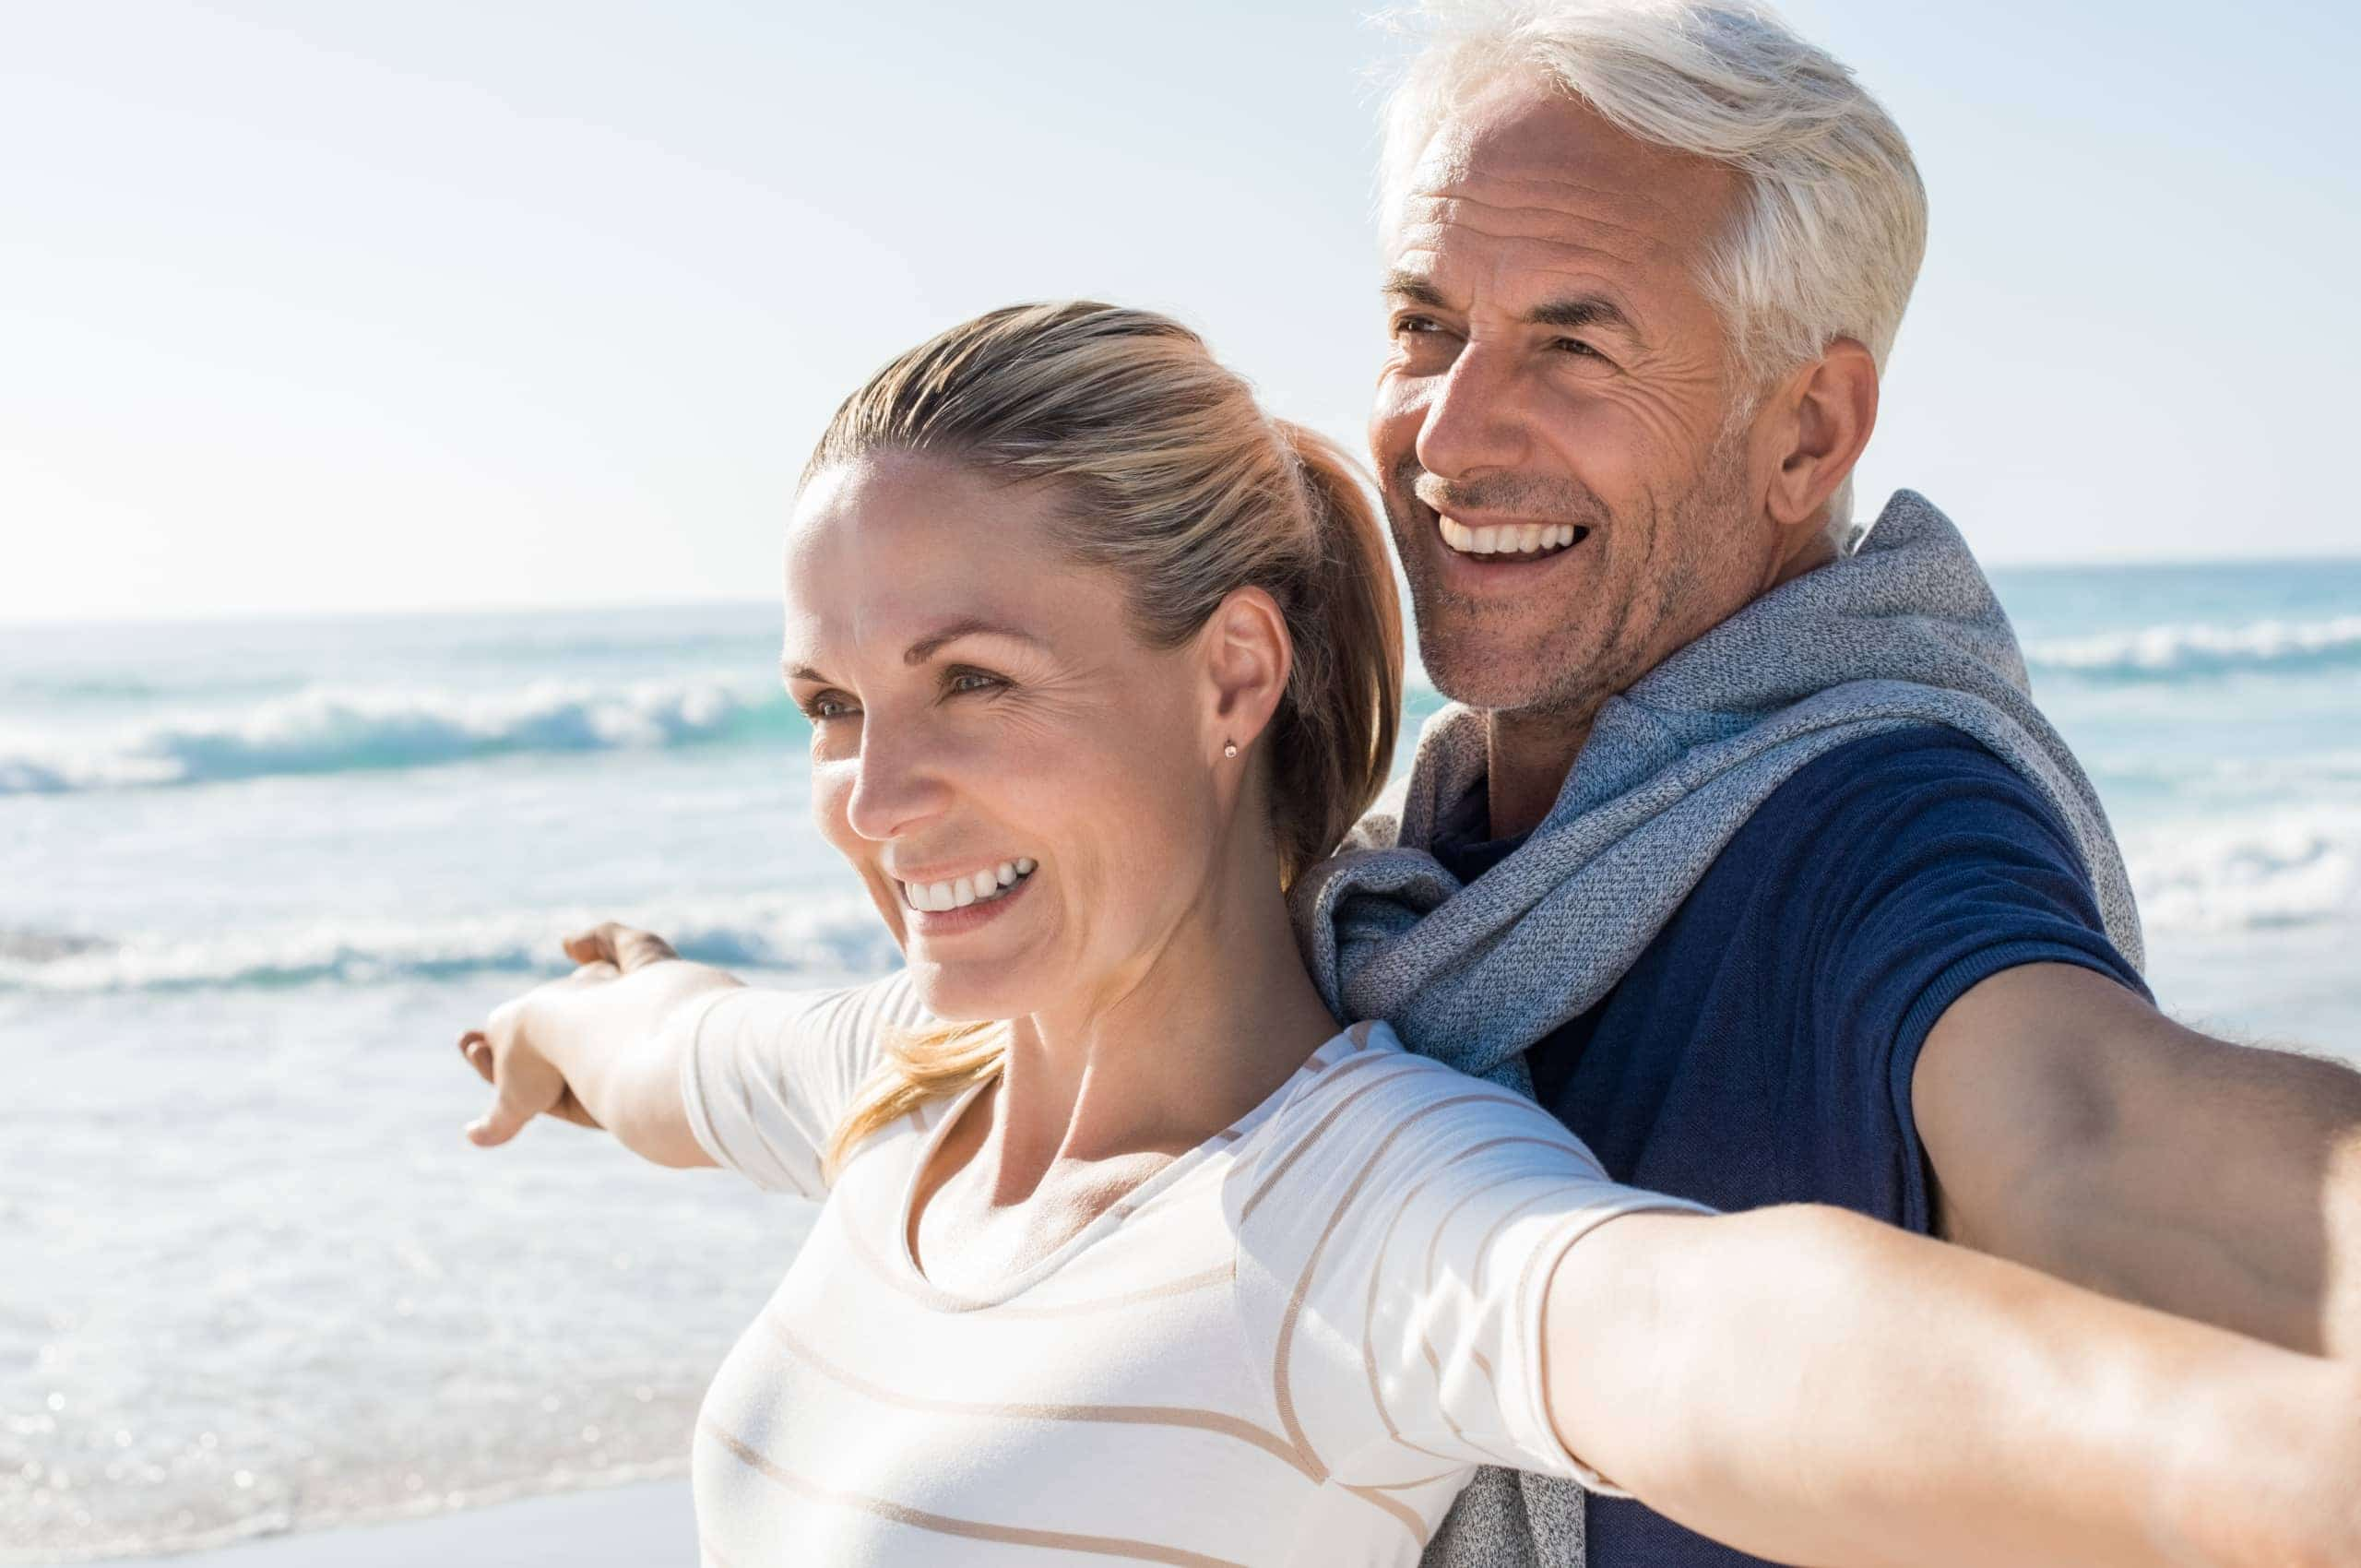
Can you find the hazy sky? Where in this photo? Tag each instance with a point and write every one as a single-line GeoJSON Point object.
{"type": "Point", "coordinates": [315, 306]}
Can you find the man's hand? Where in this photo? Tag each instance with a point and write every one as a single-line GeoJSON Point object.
{"type": "Point", "coordinates": [520, 1049]}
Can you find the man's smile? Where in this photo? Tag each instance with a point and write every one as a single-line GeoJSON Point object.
{"type": "Point", "coordinates": [1508, 539]}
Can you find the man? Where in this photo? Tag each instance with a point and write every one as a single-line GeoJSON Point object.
{"type": "Point", "coordinates": [1645, 264]}
{"type": "Point", "coordinates": [1863, 938]}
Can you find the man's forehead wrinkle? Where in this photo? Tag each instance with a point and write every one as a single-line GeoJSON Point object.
{"type": "Point", "coordinates": [1543, 225]}
{"type": "Point", "coordinates": [1597, 260]}
{"type": "Point", "coordinates": [1563, 193]}
{"type": "Point", "coordinates": [1541, 183]}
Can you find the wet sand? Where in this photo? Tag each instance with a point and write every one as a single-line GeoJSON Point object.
{"type": "Point", "coordinates": [641, 1525]}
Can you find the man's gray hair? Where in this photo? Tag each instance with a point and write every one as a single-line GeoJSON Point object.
{"type": "Point", "coordinates": [1833, 225]}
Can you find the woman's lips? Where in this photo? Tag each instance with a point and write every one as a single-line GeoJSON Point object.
{"type": "Point", "coordinates": [965, 917]}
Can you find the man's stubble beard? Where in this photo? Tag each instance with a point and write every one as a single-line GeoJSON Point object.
{"type": "Point", "coordinates": [1577, 669]}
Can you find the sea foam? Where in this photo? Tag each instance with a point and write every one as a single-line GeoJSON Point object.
{"type": "Point", "coordinates": [777, 933]}
{"type": "Point", "coordinates": [337, 730]}
{"type": "Point", "coordinates": [2287, 868]}
{"type": "Point", "coordinates": [2170, 652]}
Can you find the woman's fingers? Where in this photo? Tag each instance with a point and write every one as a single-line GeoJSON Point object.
{"type": "Point", "coordinates": [513, 1102]}
{"type": "Point", "coordinates": [478, 1051]}
{"type": "Point", "coordinates": [524, 1084]}
{"type": "Point", "coordinates": [627, 948]}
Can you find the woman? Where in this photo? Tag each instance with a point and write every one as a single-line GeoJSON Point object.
{"type": "Point", "coordinates": [1129, 1252]}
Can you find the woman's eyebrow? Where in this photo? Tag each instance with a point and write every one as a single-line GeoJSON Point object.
{"type": "Point", "coordinates": [927, 646]}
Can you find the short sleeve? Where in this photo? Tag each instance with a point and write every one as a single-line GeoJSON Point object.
{"type": "Point", "coordinates": [765, 1075]}
{"type": "Point", "coordinates": [1397, 1236]}
{"type": "Point", "coordinates": [1936, 867]}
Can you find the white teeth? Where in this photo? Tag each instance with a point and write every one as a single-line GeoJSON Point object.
{"type": "Point", "coordinates": [1505, 539]}
{"type": "Point", "coordinates": [982, 886]}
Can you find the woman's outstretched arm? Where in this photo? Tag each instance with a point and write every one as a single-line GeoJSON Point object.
{"type": "Point", "coordinates": [597, 1043]}
{"type": "Point", "coordinates": [1814, 1387]}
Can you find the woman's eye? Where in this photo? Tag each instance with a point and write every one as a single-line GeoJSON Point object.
{"type": "Point", "coordinates": [829, 704]}
{"type": "Point", "coordinates": [962, 682]}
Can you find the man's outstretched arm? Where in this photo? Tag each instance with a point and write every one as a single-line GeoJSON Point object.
{"type": "Point", "coordinates": [2074, 1128]}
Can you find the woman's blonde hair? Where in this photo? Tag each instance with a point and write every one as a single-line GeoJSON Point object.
{"type": "Point", "coordinates": [1165, 470]}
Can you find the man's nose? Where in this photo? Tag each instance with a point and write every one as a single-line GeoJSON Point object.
{"type": "Point", "coordinates": [896, 783]}
{"type": "Point", "coordinates": [1471, 422]}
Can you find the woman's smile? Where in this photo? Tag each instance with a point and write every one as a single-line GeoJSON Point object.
{"type": "Point", "coordinates": [962, 903]}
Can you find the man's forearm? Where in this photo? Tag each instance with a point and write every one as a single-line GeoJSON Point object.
{"type": "Point", "coordinates": [1812, 1386]}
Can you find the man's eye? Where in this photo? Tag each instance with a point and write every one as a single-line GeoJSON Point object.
{"type": "Point", "coordinates": [1415, 324]}
{"type": "Point", "coordinates": [829, 704]}
{"type": "Point", "coordinates": [1575, 347]}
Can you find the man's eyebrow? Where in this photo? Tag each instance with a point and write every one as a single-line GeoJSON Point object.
{"type": "Point", "coordinates": [1579, 312]}
{"type": "Point", "coordinates": [927, 646]}
{"type": "Point", "coordinates": [1413, 289]}
{"type": "Point", "coordinates": [1576, 312]}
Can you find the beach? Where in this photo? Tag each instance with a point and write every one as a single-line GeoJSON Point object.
{"type": "Point", "coordinates": [647, 1525]}
{"type": "Point", "coordinates": [262, 1303]}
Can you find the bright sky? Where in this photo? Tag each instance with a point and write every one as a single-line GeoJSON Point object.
{"type": "Point", "coordinates": [313, 306]}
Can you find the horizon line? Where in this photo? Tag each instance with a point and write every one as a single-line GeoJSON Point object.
{"type": "Point", "coordinates": [12, 621]}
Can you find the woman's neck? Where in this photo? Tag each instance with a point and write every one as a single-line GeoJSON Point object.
{"type": "Point", "coordinates": [1160, 1058]}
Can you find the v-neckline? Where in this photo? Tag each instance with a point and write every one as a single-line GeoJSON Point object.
{"type": "Point", "coordinates": [1024, 1280]}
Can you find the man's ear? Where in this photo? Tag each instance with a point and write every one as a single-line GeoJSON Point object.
{"type": "Point", "coordinates": [1247, 658]}
{"type": "Point", "coordinates": [1831, 406]}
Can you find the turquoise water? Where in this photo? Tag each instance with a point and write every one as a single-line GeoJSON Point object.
{"type": "Point", "coordinates": [253, 878]}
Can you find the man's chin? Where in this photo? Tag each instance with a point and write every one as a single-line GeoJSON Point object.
{"type": "Point", "coordinates": [1492, 673]}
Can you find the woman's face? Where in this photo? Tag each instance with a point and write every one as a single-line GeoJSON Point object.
{"type": "Point", "coordinates": [980, 707]}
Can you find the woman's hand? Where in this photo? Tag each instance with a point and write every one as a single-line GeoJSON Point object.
{"type": "Point", "coordinates": [579, 1047]}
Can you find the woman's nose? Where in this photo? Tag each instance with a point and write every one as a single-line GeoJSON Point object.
{"type": "Point", "coordinates": [895, 785]}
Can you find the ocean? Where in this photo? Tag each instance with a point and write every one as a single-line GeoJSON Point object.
{"type": "Point", "coordinates": [254, 878]}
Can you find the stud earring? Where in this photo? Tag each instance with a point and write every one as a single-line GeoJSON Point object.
{"type": "Point", "coordinates": [1229, 748]}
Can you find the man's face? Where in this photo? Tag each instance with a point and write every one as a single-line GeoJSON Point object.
{"type": "Point", "coordinates": [1557, 374]}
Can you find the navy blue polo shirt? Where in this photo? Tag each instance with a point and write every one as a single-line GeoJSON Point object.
{"type": "Point", "coordinates": [1761, 1049]}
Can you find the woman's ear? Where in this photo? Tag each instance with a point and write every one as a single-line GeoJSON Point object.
{"type": "Point", "coordinates": [1247, 656]}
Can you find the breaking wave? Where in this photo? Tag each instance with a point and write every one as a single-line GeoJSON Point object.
{"type": "Point", "coordinates": [2296, 868]}
{"type": "Point", "coordinates": [340, 730]}
{"type": "Point", "coordinates": [2173, 652]}
{"type": "Point", "coordinates": [790, 935]}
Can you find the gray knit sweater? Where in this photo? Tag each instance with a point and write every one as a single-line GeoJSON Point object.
{"type": "Point", "coordinates": [1903, 631]}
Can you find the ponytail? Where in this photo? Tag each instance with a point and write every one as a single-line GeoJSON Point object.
{"type": "Point", "coordinates": [1334, 735]}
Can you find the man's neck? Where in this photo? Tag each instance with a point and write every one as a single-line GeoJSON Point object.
{"type": "Point", "coordinates": [1526, 759]}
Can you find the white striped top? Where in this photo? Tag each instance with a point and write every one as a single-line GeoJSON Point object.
{"type": "Point", "coordinates": [1290, 1345]}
